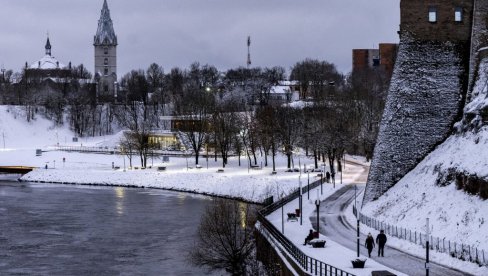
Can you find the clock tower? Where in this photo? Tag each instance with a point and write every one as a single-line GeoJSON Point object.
{"type": "Point", "coordinates": [105, 43]}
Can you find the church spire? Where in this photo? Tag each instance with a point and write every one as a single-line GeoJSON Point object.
{"type": "Point", "coordinates": [48, 47]}
{"type": "Point", "coordinates": [105, 31]}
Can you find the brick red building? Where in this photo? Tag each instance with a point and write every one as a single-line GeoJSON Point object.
{"type": "Point", "coordinates": [383, 58]}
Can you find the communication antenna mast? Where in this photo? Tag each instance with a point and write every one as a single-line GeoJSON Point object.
{"type": "Point", "coordinates": [248, 51]}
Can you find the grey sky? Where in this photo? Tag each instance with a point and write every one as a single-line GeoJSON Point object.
{"type": "Point", "coordinates": [179, 32]}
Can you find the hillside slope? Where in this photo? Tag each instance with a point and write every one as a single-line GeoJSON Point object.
{"type": "Point", "coordinates": [448, 185]}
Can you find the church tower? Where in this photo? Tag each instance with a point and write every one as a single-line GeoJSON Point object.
{"type": "Point", "coordinates": [48, 47]}
{"type": "Point", "coordinates": [105, 43]}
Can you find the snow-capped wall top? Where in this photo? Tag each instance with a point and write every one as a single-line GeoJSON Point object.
{"type": "Point", "coordinates": [105, 31]}
{"type": "Point", "coordinates": [46, 63]}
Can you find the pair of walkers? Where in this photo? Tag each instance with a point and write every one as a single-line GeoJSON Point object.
{"type": "Point", "coordinates": [380, 241]}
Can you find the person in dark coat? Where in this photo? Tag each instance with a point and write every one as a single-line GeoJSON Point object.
{"type": "Point", "coordinates": [381, 241]}
{"type": "Point", "coordinates": [309, 237]}
{"type": "Point", "coordinates": [369, 244]}
{"type": "Point", "coordinates": [327, 177]}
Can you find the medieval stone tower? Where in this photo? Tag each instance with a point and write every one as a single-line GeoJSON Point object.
{"type": "Point", "coordinates": [105, 43]}
{"type": "Point", "coordinates": [428, 89]}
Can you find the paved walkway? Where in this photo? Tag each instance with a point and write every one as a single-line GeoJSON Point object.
{"type": "Point", "coordinates": [335, 226]}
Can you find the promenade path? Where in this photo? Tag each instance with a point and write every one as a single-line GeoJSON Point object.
{"type": "Point", "coordinates": [334, 225]}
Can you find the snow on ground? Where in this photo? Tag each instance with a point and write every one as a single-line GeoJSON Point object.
{"type": "Point", "coordinates": [417, 250]}
{"type": "Point", "coordinates": [17, 133]}
{"type": "Point", "coordinates": [87, 168]}
{"type": "Point", "coordinates": [453, 214]}
{"type": "Point", "coordinates": [333, 253]}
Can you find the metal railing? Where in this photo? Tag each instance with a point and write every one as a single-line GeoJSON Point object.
{"type": "Point", "coordinates": [117, 150]}
{"type": "Point", "coordinates": [309, 264]}
{"type": "Point", "coordinates": [456, 250]}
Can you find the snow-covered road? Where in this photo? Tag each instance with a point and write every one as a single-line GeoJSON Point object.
{"type": "Point", "coordinates": [334, 225]}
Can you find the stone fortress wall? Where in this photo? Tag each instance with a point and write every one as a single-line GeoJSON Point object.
{"type": "Point", "coordinates": [429, 85]}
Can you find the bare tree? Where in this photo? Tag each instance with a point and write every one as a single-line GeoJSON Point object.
{"type": "Point", "coordinates": [226, 237]}
{"type": "Point", "coordinates": [316, 78]}
{"type": "Point", "coordinates": [139, 120]}
{"type": "Point", "coordinates": [225, 129]}
{"type": "Point", "coordinates": [267, 123]}
{"type": "Point", "coordinates": [195, 106]}
{"type": "Point", "coordinates": [290, 125]}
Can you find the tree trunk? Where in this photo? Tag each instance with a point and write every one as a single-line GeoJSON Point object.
{"type": "Point", "coordinates": [197, 155]}
{"type": "Point", "coordinates": [273, 151]}
{"type": "Point", "coordinates": [315, 159]}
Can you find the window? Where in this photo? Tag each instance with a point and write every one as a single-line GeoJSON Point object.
{"type": "Point", "coordinates": [458, 14]}
{"type": "Point", "coordinates": [105, 71]}
{"type": "Point", "coordinates": [376, 62]}
{"type": "Point", "coordinates": [432, 14]}
{"type": "Point", "coordinates": [105, 62]}
{"type": "Point", "coordinates": [105, 88]}
{"type": "Point", "coordinates": [105, 50]}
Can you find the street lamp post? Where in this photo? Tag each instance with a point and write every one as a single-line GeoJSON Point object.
{"type": "Point", "coordinates": [299, 166]}
{"type": "Point", "coordinates": [308, 182]}
{"type": "Point", "coordinates": [308, 187]}
{"type": "Point", "coordinates": [357, 216]}
{"type": "Point", "coordinates": [317, 204]}
{"type": "Point", "coordinates": [300, 199]}
{"type": "Point", "coordinates": [427, 266]}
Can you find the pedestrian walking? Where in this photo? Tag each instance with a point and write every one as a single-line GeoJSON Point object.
{"type": "Point", "coordinates": [369, 244]}
{"type": "Point", "coordinates": [381, 241]}
{"type": "Point", "coordinates": [327, 177]}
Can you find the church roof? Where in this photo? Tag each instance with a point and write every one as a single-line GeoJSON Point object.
{"type": "Point", "coordinates": [46, 63]}
{"type": "Point", "coordinates": [105, 31]}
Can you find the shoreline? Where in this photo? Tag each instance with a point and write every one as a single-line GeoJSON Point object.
{"type": "Point", "coordinates": [145, 187]}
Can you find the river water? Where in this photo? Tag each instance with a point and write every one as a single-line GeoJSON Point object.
{"type": "Point", "coordinates": [80, 230]}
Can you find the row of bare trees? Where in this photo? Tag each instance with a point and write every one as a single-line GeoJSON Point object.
{"type": "Point", "coordinates": [227, 112]}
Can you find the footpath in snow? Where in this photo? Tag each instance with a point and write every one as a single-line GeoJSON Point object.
{"type": "Point", "coordinates": [333, 253]}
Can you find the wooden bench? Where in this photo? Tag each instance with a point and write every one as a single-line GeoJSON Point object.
{"type": "Point", "coordinates": [161, 168]}
{"type": "Point", "coordinates": [292, 217]}
{"type": "Point", "coordinates": [198, 166]}
{"type": "Point", "coordinates": [317, 243]}
{"type": "Point", "coordinates": [220, 170]}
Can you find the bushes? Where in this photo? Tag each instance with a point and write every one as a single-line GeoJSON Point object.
{"type": "Point", "coordinates": [470, 183]}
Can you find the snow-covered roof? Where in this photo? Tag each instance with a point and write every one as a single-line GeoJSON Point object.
{"type": "Point", "coordinates": [289, 82]}
{"type": "Point", "coordinates": [46, 63]}
{"type": "Point", "coordinates": [105, 31]}
{"type": "Point", "coordinates": [279, 89]}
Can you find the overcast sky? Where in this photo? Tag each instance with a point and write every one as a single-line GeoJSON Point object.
{"type": "Point", "coordinates": [179, 32]}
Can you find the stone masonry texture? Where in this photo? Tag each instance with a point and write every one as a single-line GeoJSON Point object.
{"type": "Point", "coordinates": [427, 90]}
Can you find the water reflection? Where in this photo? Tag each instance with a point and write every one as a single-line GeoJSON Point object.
{"type": "Point", "coordinates": [181, 198]}
{"type": "Point", "coordinates": [243, 213]}
{"type": "Point", "coordinates": [118, 231]}
{"type": "Point", "coordinates": [119, 203]}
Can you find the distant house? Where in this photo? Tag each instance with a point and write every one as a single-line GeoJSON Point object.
{"type": "Point", "coordinates": [282, 93]}
{"type": "Point", "coordinates": [164, 140]}
{"type": "Point", "coordinates": [384, 58]}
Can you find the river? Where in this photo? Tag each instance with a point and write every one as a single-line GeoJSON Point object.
{"type": "Point", "coordinates": [50, 229]}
